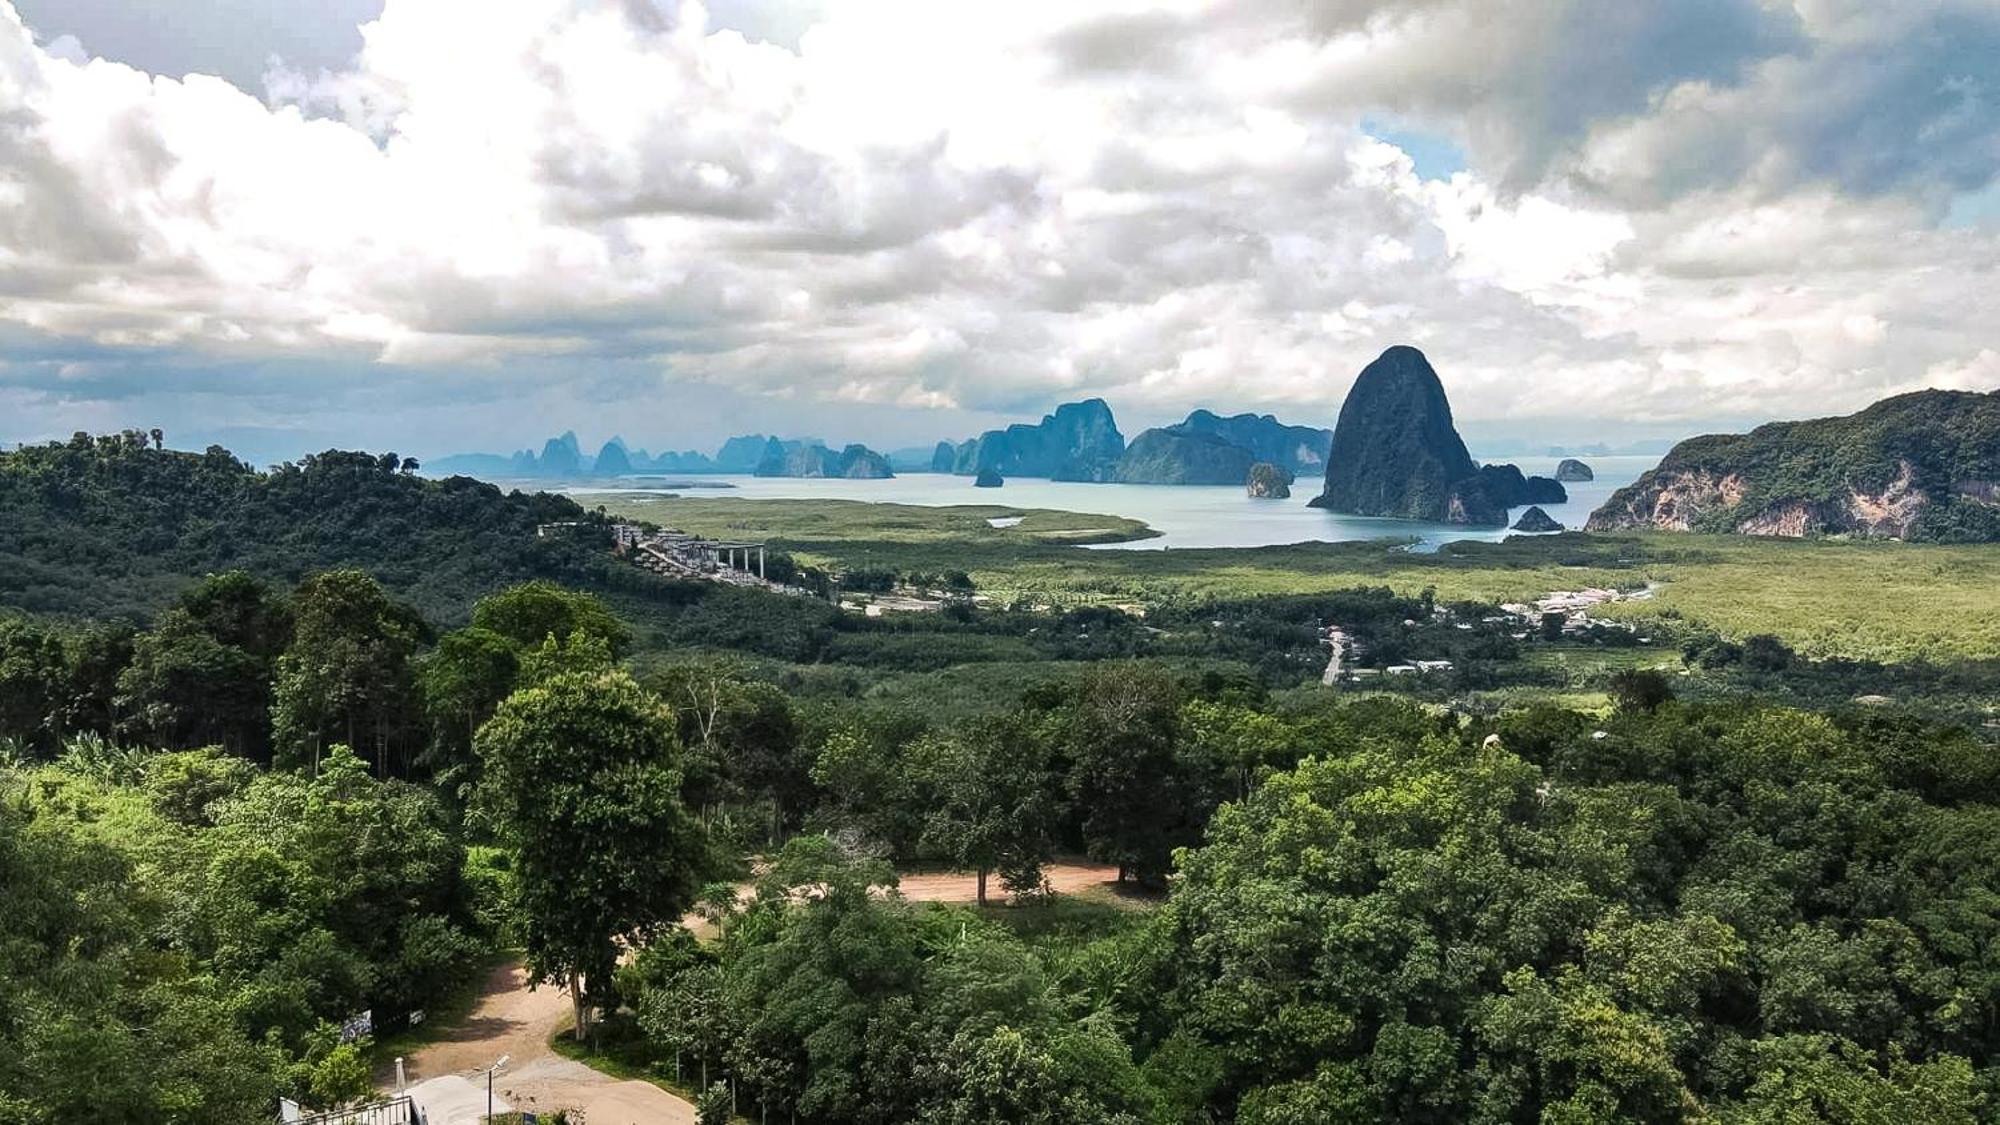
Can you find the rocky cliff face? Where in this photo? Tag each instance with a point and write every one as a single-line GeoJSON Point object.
{"type": "Point", "coordinates": [1670, 500]}
{"type": "Point", "coordinates": [1080, 441]}
{"type": "Point", "coordinates": [1168, 456]}
{"type": "Point", "coordinates": [1917, 466]}
{"type": "Point", "coordinates": [1396, 453]}
{"type": "Point", "coordinates": [1570, 471]}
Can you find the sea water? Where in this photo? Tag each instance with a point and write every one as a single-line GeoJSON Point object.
{"type": "Point", "coordinates": [1184, 515]}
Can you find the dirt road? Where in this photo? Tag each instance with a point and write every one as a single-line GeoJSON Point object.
{"type": "Point", "coordinates": [514, 1020]}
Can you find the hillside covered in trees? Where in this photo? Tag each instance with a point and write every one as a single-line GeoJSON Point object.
{"type": "Point", "coordinates": [114, 526]}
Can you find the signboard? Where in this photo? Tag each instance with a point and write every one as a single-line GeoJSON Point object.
{"type": "Point", "coordinates": [354, 1027]}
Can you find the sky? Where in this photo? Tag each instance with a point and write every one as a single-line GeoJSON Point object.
{"type": "Point", "coordinates": [443, 225]}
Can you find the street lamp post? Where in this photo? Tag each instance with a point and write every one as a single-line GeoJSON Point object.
{"type": "Point", "coordinates": [490, 1071]}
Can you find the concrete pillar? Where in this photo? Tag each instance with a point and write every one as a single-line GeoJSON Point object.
{"type": "Point", "coordinates": [760, 562]}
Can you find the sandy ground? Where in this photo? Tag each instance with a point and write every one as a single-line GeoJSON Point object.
{"type": "Point", "coordinates": [514, 1020]}
{"type": "Point", "coordinates": [957, 886]}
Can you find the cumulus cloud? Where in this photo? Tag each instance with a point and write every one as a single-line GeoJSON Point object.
{"type": "Point", "coordinates": [942, 212]}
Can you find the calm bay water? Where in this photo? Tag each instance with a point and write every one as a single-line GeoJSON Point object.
{"type": "Point", "coordinates": [1185, 515]}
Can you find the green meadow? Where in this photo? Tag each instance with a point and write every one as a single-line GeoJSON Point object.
{"type": "Point", "coordinates": [1877, 600]}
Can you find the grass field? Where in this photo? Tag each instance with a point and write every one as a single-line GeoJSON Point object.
{"type": "Point", "coordinates": [1881, 600]}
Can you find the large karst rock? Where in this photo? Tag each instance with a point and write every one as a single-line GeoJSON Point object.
{"type": "Point", "coordinates": [743, 453]}
{"type": "Point", "coordinates": [611, 461]}
{"type": "Point", "coordinates": [808, 459]}
{"type": "Point", "coordinates": [1080, 441]}
{"type": "Point", "coordinates": [1508, 487]}
{"type": "Point", "coordinates": [561, 457]}
{"type": "Point", "coordinates": [1170, 456]}
{"type": "Point", "coordinates": [1297, 449]}
{"type": "Point", "coordinates": [1396, 453]}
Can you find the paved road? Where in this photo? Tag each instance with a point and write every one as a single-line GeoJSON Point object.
{"type": "Point", "coordinates": [515, 1020]}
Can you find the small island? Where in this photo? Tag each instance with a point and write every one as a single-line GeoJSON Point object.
{"type": "Point", "coordinates": [1269, 482]}
{"type": "Point", "coordinates": [1536, 521]}
{"type": "Point", "coordinates": [1571, 470]}
{"type": "Point", "coordinates": [988, 478]}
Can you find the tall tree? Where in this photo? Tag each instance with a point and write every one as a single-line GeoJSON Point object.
{"type": "Point", "coordinates": [742, 741]}
{"type": "Point", "coordinates": [202, 676]}
{"type": "Point", "coordinates": [1141, 796]}
{"type": "Point", "coordinates": [33, 683]}
{"type": "Point", "coordinates": [582, 778]}
{"type": "Point", "coordinates": [532, 612]}
{"type": "Point", "coordinates": [346, 677]}
{"type": "Point", "coordinates": [994, 809]}
{"type": "Point", "coordinates": [463, 681]}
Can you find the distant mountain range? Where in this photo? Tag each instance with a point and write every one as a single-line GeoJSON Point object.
{"type": "Point", "coordinates": [1917, 466]}
{"type": "Point", "coordinates": [1081, 442]}
{"type": "Point", "coordinates": [562, 458]}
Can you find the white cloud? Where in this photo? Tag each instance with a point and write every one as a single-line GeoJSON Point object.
{"type": "Point", "coordinates": [938, 206]}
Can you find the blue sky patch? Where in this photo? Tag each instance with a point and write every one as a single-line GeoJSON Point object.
{"type": "Point", "coordinates": [1435, 155]}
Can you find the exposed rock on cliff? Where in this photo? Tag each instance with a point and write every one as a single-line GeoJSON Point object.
{"type": "Point", "coordinates": [1176, 457]}
{"type": "Point", "coordinates": [1537, 521]}
{"type": "Point", "coordinates": [1916, 466]}
{"type": "Point", "coordinates": [1571, 470]}
{"type": "Point", "coordinates": [1269, 482]}
{"type": "Point", "coordinates": [1396, 453]}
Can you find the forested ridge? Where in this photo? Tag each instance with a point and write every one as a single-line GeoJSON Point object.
{"type": "Point", "coordinates": [113, 526]}
{"type": "Point", "coordinates": [240, 806]}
